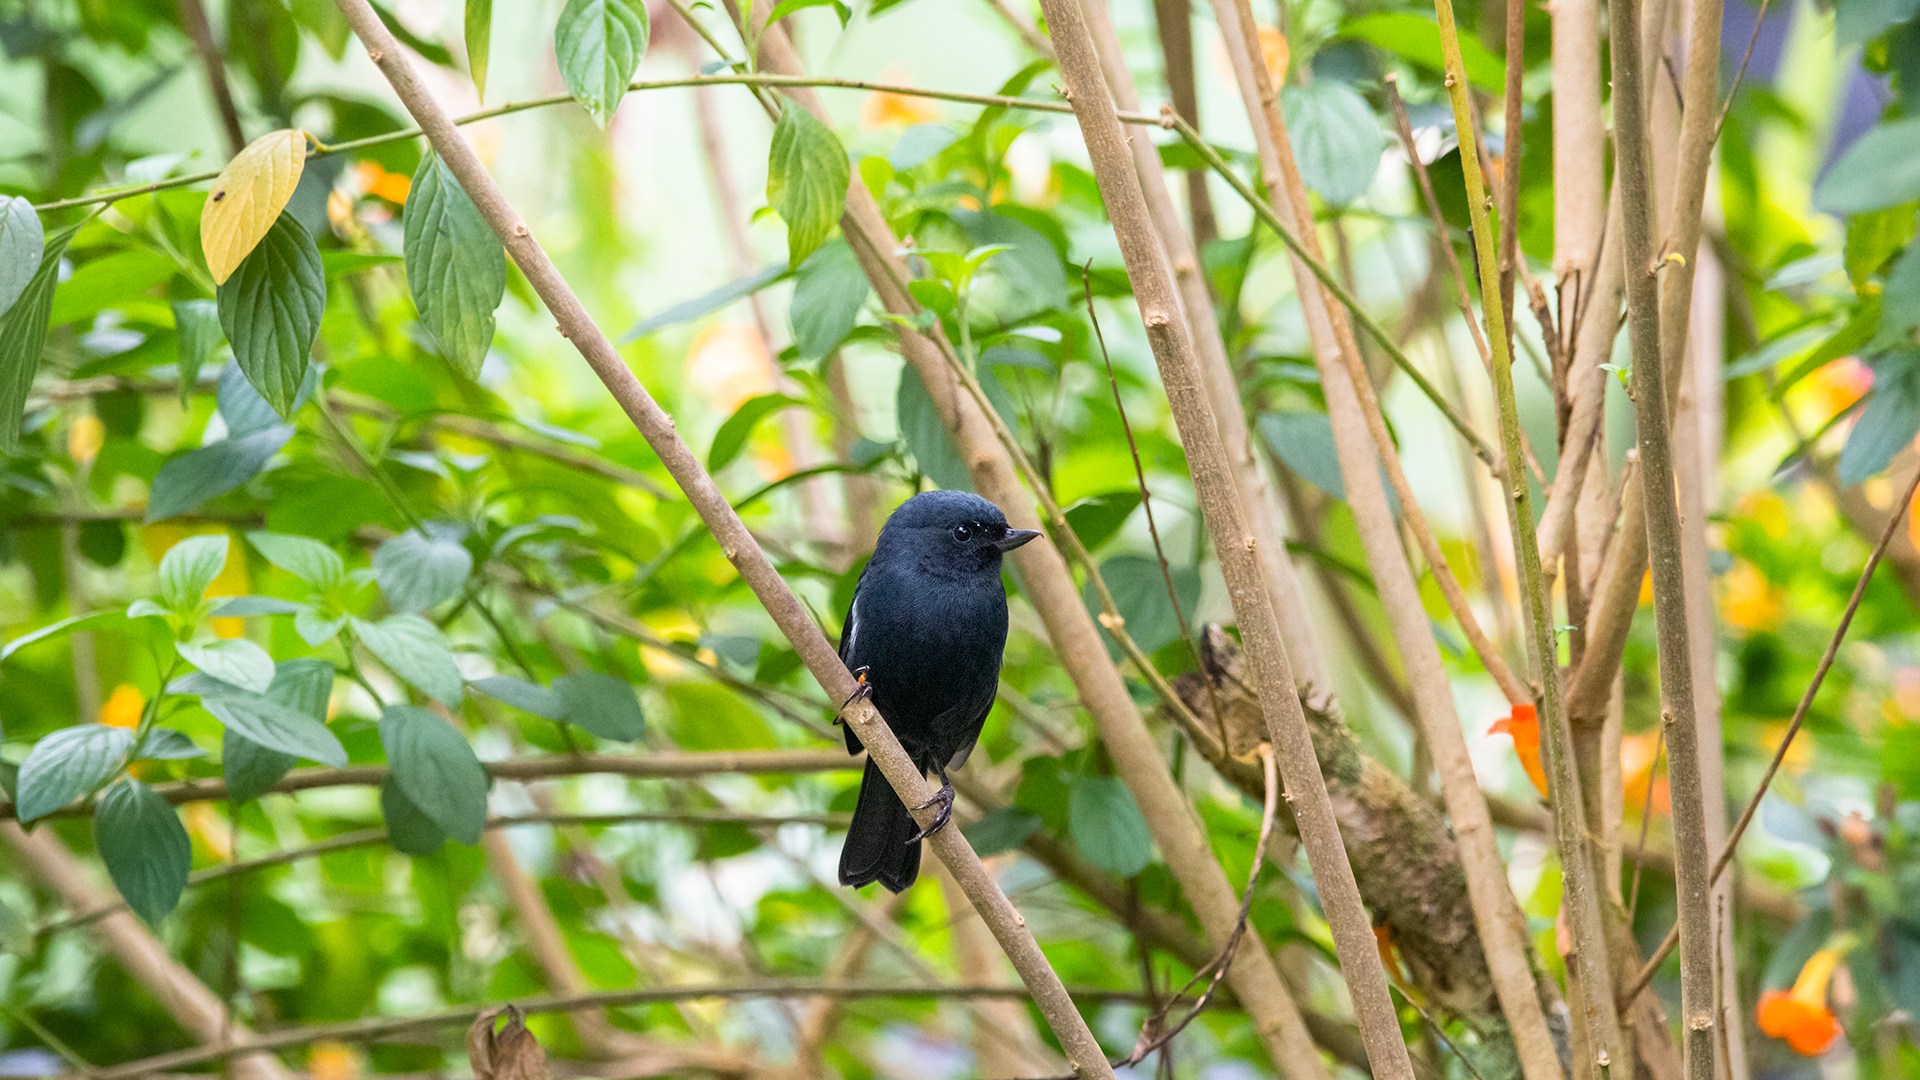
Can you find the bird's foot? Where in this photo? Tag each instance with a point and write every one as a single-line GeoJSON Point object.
{"type": "Point", "coordinates": [862, 691]}
{"type": "Point", "coordinates": [944, 800]}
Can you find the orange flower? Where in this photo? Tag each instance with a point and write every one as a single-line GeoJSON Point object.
{"type": "Point", "coordinates": [1830, 388]}
{"type": "Point", "coordinates": [330, 1060]}
{"type": "Point", "coordinates": [1524, 727]}
{"type": "Point", "coordinates": [1637, 762]}
{"type": "Point", "coordinates": [1274, 50]}
{"type": "Point", "coordinates": [1389, 955]}
{"type": "Point", "coordinates": [1749, 601]}
{"type": "Point", "coordinates": [122, 707]}
{"type": "Point", "coordinates": [884, 110]}
{"type": "Point", "coordinates": [375, 180]}
{"type": "Point", "coordinates": [730, 364]}
{"type": "Point", "coordinates": [1800, 1016]}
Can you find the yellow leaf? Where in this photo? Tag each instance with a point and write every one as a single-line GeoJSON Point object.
{"type": "Point", "coordinates": [247, 198]}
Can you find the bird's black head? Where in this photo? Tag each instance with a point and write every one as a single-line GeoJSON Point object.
{"type": "Point", "coordinates": [950, 532]}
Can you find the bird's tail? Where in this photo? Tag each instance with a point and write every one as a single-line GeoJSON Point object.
{"type": "Point", "coordinates": [880, 845]}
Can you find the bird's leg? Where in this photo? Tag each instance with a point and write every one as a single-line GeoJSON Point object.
{"type": "Point", "coordinates": [862, 691]}
{"type": "Point", "coordinates": [944, 800]}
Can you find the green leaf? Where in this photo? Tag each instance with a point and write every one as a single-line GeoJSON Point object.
{"type": "Point", "coordinates": [436, 770]}
{"type": "Point", "coordinates": [920, 144]}
{"type": "Point", "coordinates": [272, 725]}
{"type": "Point", "coordinates": [707, 303]}
{"type": "Point", "coordinates": [189, 567]}
{"type": "Point", "coordinates": [196, 326]}
{"type": "Point", "coordinates": [479, 26]}
{"type": "Point", "coordinates": [270, 309]}
{"type": "Point", "coordinates": [711, 717]}
{"type": "Point", "coordinates": [1096, 518]}
{"type": "Point", "coordinates": [1022, 279]}
{"type": "Point", "coordinates": [1857, 22]}
{"type": "Point", "coordinates": [409, 829]}
{"type": "Point", "coordinates": [304, 685]}
{"type": "Point", "coordinates": [926, 436]}
{"type": "Point", "coordinates": [787, 7]}
{"type": "Point", "coordinates": [1304, 443]}
{"type": "Point", "coordinates": [23, 335]}
{"type": "Point", "coordinates": [1140, 593]}
{"type": "Point", "coordinates": [1335, 137]}
{"type": "Point", "coordinates": [67, 764]}
{"type": "Point", "coordinates": [807, 178]}
{"type": "Point", "coordinates": [315, 628]}
{"type": "Point", "coordinates": [456, 266]}
{"type": "Point", "coordinates": [198, 475]}
{"type": "Point", "coordinates": [304, 557]}
{"type": "Point", "coordinates": [166, 744]}
{"type": "Point", "coordinates": [733, 434]}
{"type": "Point", "coordinates": [72, 625]}
{"type": "Point", "coordinates": [21, 241]}
{"type": "Point", "coordinates": [145, 848]}
{"type": "Point", "coordinates": [598, 44]}
{"type": "Point", "coordinates": [600, 705]}
{"type": "Point", "coordinates": [827, 297]}
{"type": "Point", "coordinates": [117, 280]}
{"type": "Point", "coordinates": [1882, 169]}
{"type": "Point", "coordinates": [1003, 828]}
{"type": "Point", "coordinates": [522, 695]}
{"type": "Point", "coordinates": [236, 661]}
{"type": "Point", "coordinates": [1416, 38]}
{"type": "Point", "coordinates": [415, 650]}
{"type": "Point", "coordinates": [1889, 422]}
{"type": "Point", "coordinates": [1106, 825]}
{"type": "Point", "coordinates": [1900, 301]}
{"type": "Point", "coordinates": [249, 768]}
{"type": "Point", "coordinates": [418, 571]}
{"type": "Point", "coordinates": [243, 606]}
{"type": "Point", "coordinates": [242, 407]}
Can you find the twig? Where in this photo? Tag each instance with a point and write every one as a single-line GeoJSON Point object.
{"type": "Point", "coordinates": [1646, 821]}
{"type": "Point", "coordinates": [376, 1028]}
{"type": "Point", "coordinates": [1443, 235]}
{"type": "Point", "coordinates": [1510, 257]}
{"type": "Point", "coordinates": [1174, 21]}
{"type": "Point", "coordinates": [1346, 299]}
{"type": "Point", "coordinates": [1582, 898]}
{"type": "Point", "coordinates": [1725, 857]}
{"type": "Point", "coordinates": [193, 19]}
{"type": "Point", "coordinates": [735, 541]}
{"type": "Point", "coordinates": [1740, 72]}
{"type": "Point", "coordinates": [1157, 298]}
{"type": "Point", "coordinates": [654, 765]}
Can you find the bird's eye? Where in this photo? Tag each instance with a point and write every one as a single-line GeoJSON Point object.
{"type": "Point", "coordinates": [962, 533]}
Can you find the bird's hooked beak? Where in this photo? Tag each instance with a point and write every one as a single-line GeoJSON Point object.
{"type": "Point", "coordinates": [1014, 538]}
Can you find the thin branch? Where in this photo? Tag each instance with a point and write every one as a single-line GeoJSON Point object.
{"type": "Point", "coordinates": [193, 19]}
{"type": "Point", "coordinates": [950, 845]}
{"type": "Point", "coordinates": [653, 765]}
{"type": "Point", "coordinates": [1443, 234]}
{"type": "Point", "coordinates": [1725, 857]}
{"type": "Point", "coordinates": [376, 1028]}
{"type": "Point", "coordinates": [1582, 897]}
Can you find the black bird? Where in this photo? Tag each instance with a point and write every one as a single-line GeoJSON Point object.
{"type": "Point", "coordinates": [925, 635]}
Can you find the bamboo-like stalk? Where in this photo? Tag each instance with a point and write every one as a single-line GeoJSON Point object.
{"type": "Point", "coordinates": [1304, 649]}
{"type": "Point", "coordinates": [1049, 586]}
{"type": "Point", "coordinates": [1692, 885]}
{"type": "Point", "coordinates": [1581, 899]}
{"type": "Point", "coordinates": [1342, 376]}
{"type": "Point", "coordinates": [1157, 298]}
{"type": "Point", "coordinates": [1174, 21]}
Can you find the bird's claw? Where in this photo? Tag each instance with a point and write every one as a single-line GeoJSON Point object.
{"type": "Point", "coordinates": [861, 691]}
{"type": "Point", "coordinates": [944, 800]}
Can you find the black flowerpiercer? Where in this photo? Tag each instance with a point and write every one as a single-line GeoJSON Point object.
{"type": "Point", "coordinates": [925, 634]}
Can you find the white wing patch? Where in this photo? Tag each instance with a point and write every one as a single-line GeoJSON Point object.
{"type": "Point", "coordinates": [853, 624]}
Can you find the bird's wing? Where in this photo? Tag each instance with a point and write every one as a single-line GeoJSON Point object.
{"type": "Point", "coordinates": [850, 628]}
{"type": "Point", "coordinates": [969, 717]}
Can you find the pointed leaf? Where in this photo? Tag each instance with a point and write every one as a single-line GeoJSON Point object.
{"type": "Point", "coordinates": [196, 327]}
{"type": "Point", "coordinates": [418, 571]}
{"type": "Point", "coordinates": [807, 178]}
{"type": "Point", "coordinates": [456, 266]}
{"type": "Point", "coordinates": [522, 695]}
{"type": "Point", "coordinates": [276, 726]}
{"type": "Point", "coordinates": [598, 44]}
{"type": "Point", "coordinates": [21, 241]}
{"type": "Point", "coordinates": [72, 625]}
{"type": "Point", "coordinates": [479, 27]}
{"type": "Point", "coordinates": [189, 567]}
{"type": "Point", "coordinates": [415, 650]}
{"type": "Point", "coordinates": [166, 744]}
{"type": "Point", "coordinates": [23, 335]}
{"type": "Point", "coordinates": [436, 770]}
{"type": "Point", "coordinates": [145, 847]}
{"type": "Point", "coordinates": [247, 198]}
{"type": "Point", "coordinates": [198, 475]}
{"type": "Point", "coordinates": [1336, 138]}
{"type": "Point", "coordinates": [1106, 825]}
{"type": "Point", "coordinates": [249, 768]}
{"type": "Point", "coordinates": [235, 661]}
{"type": "Point", "coordinates": [270, 308]}
{"type": "Point", "coordinates": [304, 557]}
{"type": "Point", "coordinates": [733, 434]}
{"type": "Point", "coordinates": [827, 297]}
{"type": "Point", "coordinates": [67, 764]}
{"type": "Point", "coordinates": [601, 705]}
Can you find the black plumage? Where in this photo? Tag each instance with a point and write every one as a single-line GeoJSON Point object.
{"type": "Point", "coordinates": [925, 633]}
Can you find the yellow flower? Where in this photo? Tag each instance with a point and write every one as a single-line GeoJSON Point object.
{"type": "Point", "coordinates": [884, 110]}
{"type": "Point", "coordinates": [330, 1060]}
{"type": "Point", "coordinates": [1749, 601]}
{"type": "Point", "coordinates": [123, 707]}
{"type": "Point", "coordinates": [84, 439]}
{"type": "Point", "coordinates": [1800, 1015]}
